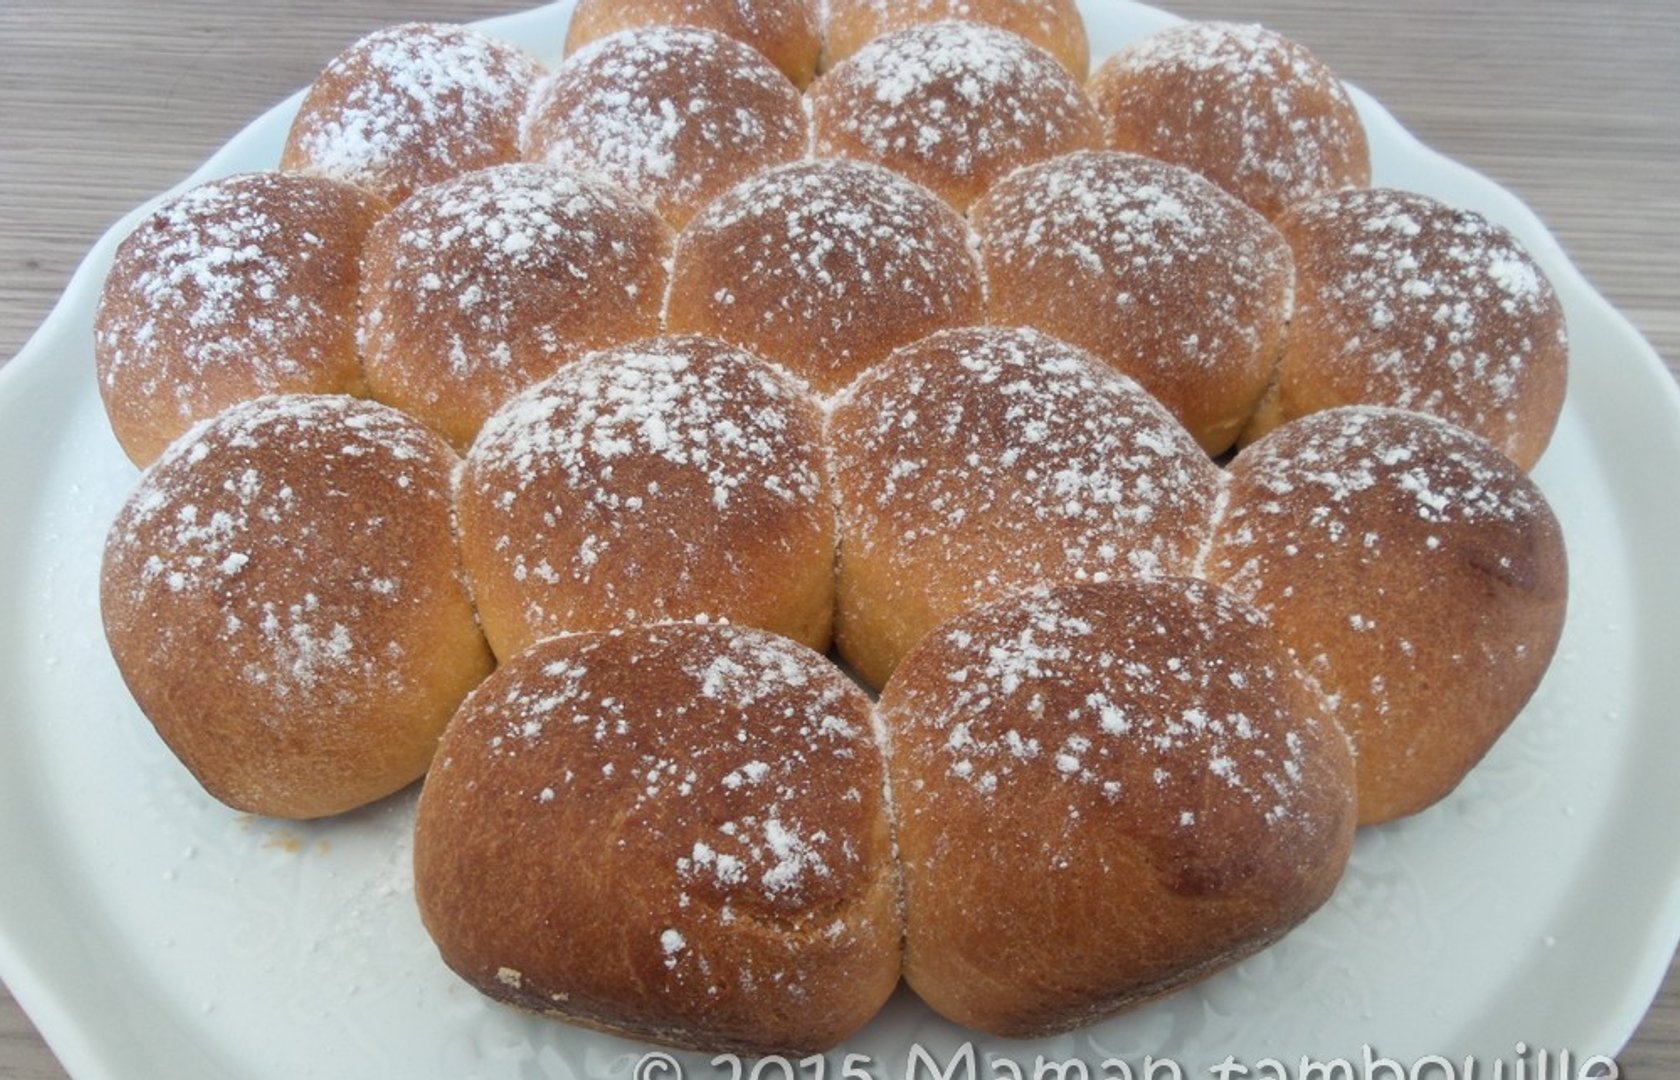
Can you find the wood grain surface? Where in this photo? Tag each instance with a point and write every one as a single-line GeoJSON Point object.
{"type": "Point", "coordinates": [1574, 106]}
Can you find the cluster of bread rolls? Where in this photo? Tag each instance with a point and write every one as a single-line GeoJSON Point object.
{"type": "Point", "coordinates": [542, 429]}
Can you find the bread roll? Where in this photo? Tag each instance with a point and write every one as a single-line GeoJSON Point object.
{"type": "Point", "coordinates": [1405, 301]}
{"type": "Point", "coordinates": [669, 479]}
{"type": "Point", "coordinates": [481, 286]}
{"type": "Point", "coordinates": [824, 267]}
{"type": "Point", "coordinates": [1251, 110]}
{"type": "Point", "coordinates": [954, 106]}
{"type": "Point", "coordinates": [240, 287]}
{"type": "Point", "coordinates": [1150, 267]}
{"type": "Point", "coordinates": [980, 461]}
{"type": "Point", "coordinates": [785, 31]}
{"type": "Point", "coordinates": [411, 106]}
{"type": "Point", "coordinates": [1103, 793]}
{"type": "Point", "coordinates": [283, 596]}
{"type": "Point", "coordinates": [676, 115]}
{"type": "Point", "coordinates": [1416, 573]}
{"type": "Point", "coordinates": [1053, 25]}
{"type": "Point", "coordinates": [675, 833]}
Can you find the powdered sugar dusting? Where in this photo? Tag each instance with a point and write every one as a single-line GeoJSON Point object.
{"type": "Point", "coordinates": [980, 460]}
{"type": "Point", "coordinates": [1367, 486]}
{"type": "Point", "coordinates": [954, 105]}
{"type": "Point", "coordinates": [230, 529]}
{"type": "Point", "coordinates": [825, 267]}
{"type": "Point", "coordinates": [1415, 572]}
{"type": "Point", "coordinates": [785, 31]}
{"type": "Point", "coordinates": [1149, 266]}
{"type": "Point", "coordinates": [1324, 478]}
{"type": "Point", "coordinates": [676, 115]}
{"type": "Point", "coordinates": [1051, 24]}
{"type": "Point", "coordinates": [1424, 306]}
{"type": "Point", "coordinates": [746, 807]}
{"type": "Point", "coordinates": [756, 780]}
{"type": "Point", "coordinates": [645, 455]}
{"type": "Point", "coordinates": [413, 105]}
{"type": "Point", "coordinates": [479, 286]}
{"type": "Point", "coordinates": [245, 281]}
{"type": "Point", "coordinates": [1252, 110]}
{"type": "Point", "coordinates": [1169, 702]}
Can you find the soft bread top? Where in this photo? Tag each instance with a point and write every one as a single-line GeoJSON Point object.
{"type": "Point", "coordinates": [1250, 109]}
{"type": "Point", "coordinates": [676, 115]}
{"type": "Point", "coordinates": [1053, 25]}
{"type": "Point", "coordinates": [480, 286]}
{"type": "Point", "coordinates": [825, 267]}
{"type": "Point", "coordinates": [1149, 266]}
{"type": "Point", "coordinates": [411, 106]}
{"type": "Point", "coordinates": [952, 105]}
{"type": "Point", "coordinates": [787, 32]}
{"type": "Point", "coordinates": [1402, 300]}
{"type": "Point", "coordinates": [240, 287]}
{"type": "Point", "coordinates": [282, 595]}
{"type": "Point", "coordinates": [1104, 792]}
{"type": "Point", "coordinates": [676, 832]}
{"type": "Point", "coordinates": [1417, 574]}
{"type": "Point", "coordinates": [980, 461]}
{"type": "Point", "coordinates": [673, 478]}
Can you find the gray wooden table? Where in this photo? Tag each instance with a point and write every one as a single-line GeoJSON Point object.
{"type": "Point", "coordinates": [1574, 106]}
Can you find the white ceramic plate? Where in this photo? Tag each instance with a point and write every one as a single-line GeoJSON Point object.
{"type": "Point", "coordinates": [150, 932]}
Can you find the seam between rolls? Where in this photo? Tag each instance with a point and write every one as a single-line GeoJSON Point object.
{"type": "Point", "coordinates": [1216, 521]}
{"type": "Point", "coordinates": [883, 745]}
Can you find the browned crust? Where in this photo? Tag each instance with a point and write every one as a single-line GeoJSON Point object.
{"type": "Point", "coordinates": [676, 115]}
{"type": "Point", "coordinates": [283, 598]}
{"type": "Point", "coordinates": [1149, 266]}
{"type": "Point", "coordinates": [1056, 742]}
{"type": "Point", "coordinates": [476, 288]}
{"type": "Point", "coordinates": [1405, 301]}
{"type": "Point", "coordinates": [667, 751]}
{"type": "Point", "coordinates": [618, 493]}
{"type": "Point", "coordinates": [980, 461]}
{"type": "Point", "coordinates": [824, 267]}
{"type": "Point", "coordinates": [1417, 574]}
{"type": "Point", "coordinates": [1251, 110]}
{"type": "Point", "coordinates": [1053, 25]}
{"type": "Point", "coordinates": [241, 287]}
{"type": "Point", "coordinates": [410, 106]}
{"type": "Point", "coordinates": [785, 31]}
{"type": "Point", "coordinates": [945, 134]}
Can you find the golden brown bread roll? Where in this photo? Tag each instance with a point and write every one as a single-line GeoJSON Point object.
{"type": "Point", "coordinates": [283, 596]}
{"type": "Point", "coordinates": [1405, 301]}
{"type": "Point", "coordinates": [824, 267]}
{"type": "Point", "coordinates": [1102, 793]}
{"type": "Point", "coordinates": [676, 833]}
{"type": "Point", "coordinates": [1416, 573]}
{"type": "Point", "coordinates": [668, 479]}
{"type": "Point", "coordinates": [955, 106]}
{"type": "Point", "coordinates": [480, 286]}
{"type": "Point", "coordinates": [677, 115]}
{"type": "Point", "coordinates": [1053, 25]}
{"type": "Point", "coordinates": [785, 31]}
{"type": "Point", "coordinates": [240, 287]}
{"type": "Point", "coordinates": [1253, 111]}
{"type": "Point", "coordinates": [980, 461]}
{"type": "Point", "coordinates": [411, 106]}
{"type": "Point", "coordinates": [1150, 267]}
